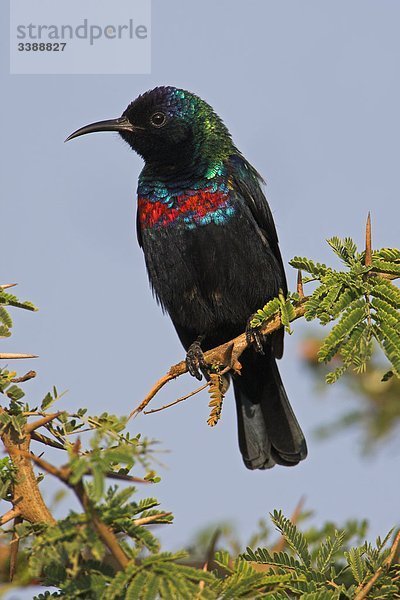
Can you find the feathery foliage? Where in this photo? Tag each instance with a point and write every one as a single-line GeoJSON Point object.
{"type": "Point", "coordinates": [361, 301]}
{"type": "Point", "coordinates": [104, 548]}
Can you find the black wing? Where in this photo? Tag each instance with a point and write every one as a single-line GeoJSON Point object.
{"type": "Point", "coordinates": [247, 181]}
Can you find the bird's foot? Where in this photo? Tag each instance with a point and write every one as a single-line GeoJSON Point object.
{"type": "Point", "coordinates": [195, 361]}
{"type": "Point", "coordinates": [254, 337]}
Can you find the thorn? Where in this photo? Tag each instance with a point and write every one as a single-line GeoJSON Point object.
{"type": "Point", "coordinates": [6, 286]}
{"type": "Point", "coordinates": [150, 519]}
{"type": "Point", "coordinates": [11, 356]}
{"type": "Point", "coordinates": [40, 422]}
{"type": "Point", "coordinates": [368, 243]}
{"type": "Point", "coordinates": [300, 289]}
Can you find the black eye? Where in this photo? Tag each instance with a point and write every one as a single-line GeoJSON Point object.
{"type": "Point", "coordinates": [158, 119]}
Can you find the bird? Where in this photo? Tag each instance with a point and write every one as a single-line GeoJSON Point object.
{"type": "Point", "coordinates": [212, 255]}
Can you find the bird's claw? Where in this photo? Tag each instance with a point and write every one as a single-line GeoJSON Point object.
{"type": "Point", "coordinates": [195, 361]}
{"type": "Point", "coordinates": [254, 337]}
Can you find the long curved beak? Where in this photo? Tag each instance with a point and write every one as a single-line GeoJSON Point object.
{"type": "Point", "coordinates": [120, 124]}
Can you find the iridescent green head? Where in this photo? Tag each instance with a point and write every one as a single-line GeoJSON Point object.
{"type": "Point", "coordinates": [169, 126]}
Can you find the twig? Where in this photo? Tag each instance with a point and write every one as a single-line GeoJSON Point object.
{"type": "Point", "coordinates": [181, 399]}
{"type": "Point", "coordinates": [62, 473]}
{"type": "Point", "coordinates": [218, 356]}
{"type": "Point", "coordinates": [106, 535]}
{"type": "Point", "coordinates": [12, 355]}
{"type": "Point", "coordinates": [364, 590]}
{"type": "Point", "coordinates": [124, 477]}
{"type": "Point", "coordinates": [26, 377]}
{"type": "Point", "coordinates": [10, 515]}
{"type": "Point", "coordinates": [40, 422]}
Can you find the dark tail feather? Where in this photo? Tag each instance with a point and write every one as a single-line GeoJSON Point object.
{"type": "Point", "coordinates": [268, 430]}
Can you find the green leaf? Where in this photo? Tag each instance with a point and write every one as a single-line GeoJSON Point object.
{"type": "Point", "coordinates": [345, 249]}
{"type": "Point", "coordinates": [387, 314]}
{"type": "Point", "coordinates": [353, 316]}
{"type": "Point", "coordinates": [15, 393]}
{"type": "Point", "coordinates": [333, 376]}
{"type": "Point", "coordinates": [287, 312]}
{"type": "Point", "coordinates": [294, 538]}
{"type": "Point", "coordinates": [383, 266]}
{"type": "Point", "coordinates": [305, 264]}
{"type": "Point", "coordinates": [384, 289]}
{"type": "Point", "coordinates": [388, 254]}
{"type": "Point", "coordinates": [134, 591]}
{"type": "Point", "coordinates": [390, 343]}
{"type": "Point", "coordinates": [98, 482]}
{"type": "Point", "coordinates": [357, 564]}
{"type": "Point", "coordinates": [269, 310]}
{"type": "Point", "coordinates": [5, 317]}
{"type": "Point", "coordinates": [327, 551]}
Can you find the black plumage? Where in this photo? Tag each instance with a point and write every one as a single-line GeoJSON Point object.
{"type": "Point", "coordinates": [212, 254]}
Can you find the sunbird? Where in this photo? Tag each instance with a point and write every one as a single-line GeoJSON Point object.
{"type": "Point", "coordinates": [212, 255]}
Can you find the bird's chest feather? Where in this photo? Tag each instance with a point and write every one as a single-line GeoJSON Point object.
{"type": "Point", "coordinates": [162, 208]}
{"type": "Point", "coordinates": [199, 251]}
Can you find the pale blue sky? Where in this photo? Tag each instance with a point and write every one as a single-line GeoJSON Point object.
{"type": "Point", "coordinates": [311, 93]}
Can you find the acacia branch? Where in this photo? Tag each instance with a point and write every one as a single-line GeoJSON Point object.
{"type": "Point", "coordinates": [226, 355]}
{"type": "Point", "coordinates": [26, 496]}
{"type": "Point", "coordinates": [181, 399]}
{"type": "Point", "coordinates": [364, 590]}
{"type": "Point", "coordinates": [10, 515]}
{"type": "Point", "coordinates": [107, 536]}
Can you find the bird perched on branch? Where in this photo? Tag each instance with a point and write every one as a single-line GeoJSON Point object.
{"type": "Point", "coordinates": [212, 255]}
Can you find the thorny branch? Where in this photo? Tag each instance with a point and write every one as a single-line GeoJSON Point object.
{"type": "Point", "coordinates": [105, 533]}
{"type": "Point", "coordinates": [364, 589]}
{"type": "Point", "coordinates": [226, 356]}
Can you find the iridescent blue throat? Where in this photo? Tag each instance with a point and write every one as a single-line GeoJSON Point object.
{"type": "Point", "coordinates": [187, 204]}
